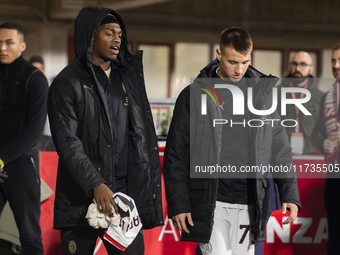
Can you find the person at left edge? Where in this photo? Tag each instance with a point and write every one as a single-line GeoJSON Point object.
{"type": "Point", "coordinates": [23, 110]}
{"type": "Point", "coordinates": [102, 127]}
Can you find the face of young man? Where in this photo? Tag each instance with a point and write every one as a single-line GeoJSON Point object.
{"type": "Point", "coordinates": [336, 63]}
{"type": "Point", "coordinates": [233, 64]}
{"type": "Point", "coordinates": [11, 45]}
{"type": "Point", "coordinates": [300, 65]}
{"type": "Point", "coordinates": [106, 44]}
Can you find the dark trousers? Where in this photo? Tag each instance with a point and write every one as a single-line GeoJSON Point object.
{"type": "Point", "coordinates": [22, 190]}
{"type": "Point", "coordinates": [331, 195]}
{"type": "Point", "coordinates": [82, 241]}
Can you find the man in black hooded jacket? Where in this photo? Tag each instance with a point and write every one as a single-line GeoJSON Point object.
{"type": "Point", "coordinates": [102, 127]}
{"type": "Point", "coordinates": [201, 204]}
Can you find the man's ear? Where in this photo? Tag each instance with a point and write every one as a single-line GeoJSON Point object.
{"type": "Point", "coordinates": [218, 54]}
{"type": "Point", "coordinates": [22, 46]}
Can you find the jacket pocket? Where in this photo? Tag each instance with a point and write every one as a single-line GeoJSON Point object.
{"type": "Point", "coordinates": [200, 196]}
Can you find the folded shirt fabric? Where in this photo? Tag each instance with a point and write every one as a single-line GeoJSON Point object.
{"type": "Point", "coordinates": [122, 228]}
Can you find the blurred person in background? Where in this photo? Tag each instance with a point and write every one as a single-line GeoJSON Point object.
{"type": "Point", "coordinates": [300, 76]}
{"type": "Point", "coordinates": [38, 62]}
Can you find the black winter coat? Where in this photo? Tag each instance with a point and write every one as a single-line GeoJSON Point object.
{"type": "Point", "coordinates": [82, 130]}
{"type": "Point", "coordinates": [267, 145]}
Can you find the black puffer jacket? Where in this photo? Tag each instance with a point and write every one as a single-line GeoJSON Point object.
{"type": "Point", "coordinates": [82, 131]}
{"type": "Point", "coordinates": [267, 145]}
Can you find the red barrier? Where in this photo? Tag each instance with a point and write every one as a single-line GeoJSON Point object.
{"type": "Point", "coordinates": [307, 235]}
{"type": "Point", "coordinates": [48, 172]}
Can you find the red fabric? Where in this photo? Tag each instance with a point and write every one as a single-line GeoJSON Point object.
{"type": "Point", "coordinates": [112, 241]}
{"type": "Point", "coordinates": [50, 237]}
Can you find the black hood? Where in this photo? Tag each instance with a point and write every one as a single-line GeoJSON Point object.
{"type": "Point", "coordinates": [86, 24]}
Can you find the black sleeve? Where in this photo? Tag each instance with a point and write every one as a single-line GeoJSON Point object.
{"type": "Point", "coordinates": [64, 122]}
{"type": "Point", "coordinates": [177, 158]}
{"type": "Point", "coordinates": [37, 89]}
{"type": "Point", "coordinates": [282, 155]}
{"type": "Point", "coordinates": [319, 132]}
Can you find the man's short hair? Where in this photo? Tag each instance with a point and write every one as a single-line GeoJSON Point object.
{"type": "Point", "coordinates": [35, 59]}
{"type": "Point", "coordinates": [12, 25]}
{"type": "Point", "coordinates": [237, 38]}
{"type": "Point", "coordinates": [336, 47]}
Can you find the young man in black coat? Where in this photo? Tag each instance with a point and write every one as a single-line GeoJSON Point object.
{"type": "Point", "coordinates": [103, 131]}
{"type": "Point", "coordinates": [23, 111]}
{"type": "Point", "coordinates": [226, 212]}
